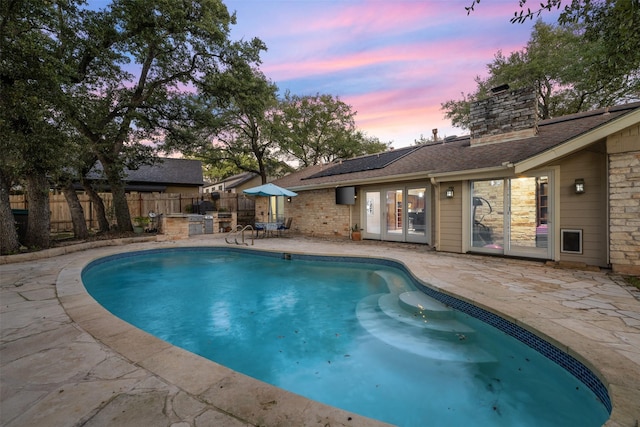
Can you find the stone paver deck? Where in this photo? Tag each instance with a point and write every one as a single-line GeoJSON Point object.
{"type": "Point", "coordinates": [65, 361]}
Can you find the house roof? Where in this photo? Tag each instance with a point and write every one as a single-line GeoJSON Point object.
{"type": "Point", "coordinates": [458, 156]}
{"type": "Point", "coordinates": [235, 180]}
{"type": "Point", "coordinates": [156, 177]}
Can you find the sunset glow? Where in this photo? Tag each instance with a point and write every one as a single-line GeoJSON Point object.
{"type": "Point", "coordinates": [394, 62]}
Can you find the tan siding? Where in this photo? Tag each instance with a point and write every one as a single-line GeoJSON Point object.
{"type": "Point", "coordinates": [450, 218]}
{"type": "Point", "coordinates": [627, 140]}
{"type": "Point", "coordinates": [588, 211]}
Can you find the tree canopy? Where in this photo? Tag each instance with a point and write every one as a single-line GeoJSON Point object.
{"type": "Point", "coordinates": [320, 128]}
{"type": "Point", "coordinates": [100, 84]}
{"type": "Point", "coordinates": [570, 71]}
{"type": "Point", "coordinates": [233, 113]}
{"type": "Point", "coordinates": [138, 59]}
{"type": "Point", "coordinates": [36, 141]}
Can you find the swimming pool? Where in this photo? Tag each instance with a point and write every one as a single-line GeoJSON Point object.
{"type": "Point", "coordinates": [348, 334]}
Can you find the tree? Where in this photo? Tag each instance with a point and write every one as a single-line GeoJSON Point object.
{"type": "Point", "coordinates": [612, 27]}
{"type": "Point", "coordinates": [562, 66]}
{"type": "Point", "coordinates": [320, 128]}
{"type": "Point", "coordinates": [235, 110]}
{"type": "Point", "coordinates": [134, 64]}
{"type": "Point", "coordinates": [31, 75]}
{"type": "Point", "coordinates": [8, 234]}
{"type": "Point", "coordinates": [424, 140]}
{"type": "Point", "coordinates": [610, 24]}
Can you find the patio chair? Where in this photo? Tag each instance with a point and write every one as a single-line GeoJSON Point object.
{"type": "Point", "coordinates": [260, 228]}
{"type": "Point", "coordinates": [284, 226]}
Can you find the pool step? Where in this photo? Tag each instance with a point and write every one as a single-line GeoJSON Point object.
{"type": "Point", "coordinates": [422, 341]}
{"type": "Point", "coordinates": [392, 306]}
{"type": "Point", "coordinates": [420, 303]}
{"type": "Point", "coordinates": [396, 282]}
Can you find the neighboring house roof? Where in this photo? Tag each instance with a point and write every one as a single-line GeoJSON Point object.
{"type": "Point", "coordinates": [236, 180]}
{"type": "Point", "coordinates": [456, 157]}
{"type": "Point", "coordinates": [157, 177]}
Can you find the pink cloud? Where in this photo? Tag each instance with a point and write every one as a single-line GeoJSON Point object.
{"type": "Point", "coordinates": [394, 62]}
{"type": "Point", "coordinates": [409, 60]}
{"type": "Point", "coordinates": [371, 16]}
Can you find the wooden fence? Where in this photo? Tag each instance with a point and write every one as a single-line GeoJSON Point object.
{"type": "Point", "coordinates": [140, 204]}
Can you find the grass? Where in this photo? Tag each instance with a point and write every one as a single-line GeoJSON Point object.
{"type": "Point", "coordinates": [633, 281]}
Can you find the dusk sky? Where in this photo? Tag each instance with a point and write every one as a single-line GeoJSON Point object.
{"type": "Point", "coordinates": [393, 61]}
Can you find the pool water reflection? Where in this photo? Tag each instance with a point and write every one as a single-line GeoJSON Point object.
{"type": "Point", "coordinates": [351, 335]}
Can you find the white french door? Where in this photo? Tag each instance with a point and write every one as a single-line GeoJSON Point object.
{"type": "Point", "coordinates": [397, 214]}
{"type": "Point", "coordinates": [372, 215]}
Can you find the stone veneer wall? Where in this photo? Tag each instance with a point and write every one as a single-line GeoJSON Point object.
{"type": "Point", "coordinates": [174, 227]}
{"type": "Point", "coordinates": [315, 213]}
{"type": "Point", "coordinates": [624, 200]}
{"type": "Point", "coordinates": [624, 212]}
{"type": "Point", "coordinates": [504, 112]}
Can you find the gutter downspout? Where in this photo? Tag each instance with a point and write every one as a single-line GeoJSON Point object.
{"type": "Point", "coordinates": [436, 237]}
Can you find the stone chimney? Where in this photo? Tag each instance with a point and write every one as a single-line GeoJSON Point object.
{"type": "Point", "coordinates": [506, 115]}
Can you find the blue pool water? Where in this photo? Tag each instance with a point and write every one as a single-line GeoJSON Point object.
{"type": "Point", "coordinates": [355, 335]}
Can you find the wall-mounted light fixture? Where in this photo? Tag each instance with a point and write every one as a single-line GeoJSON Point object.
{"type": "Point", "coordinates": [289, 199]}
{"type": "Point", "coordinates": [579, 186]}
{"type": "Point", "coordinates": [449, 193]}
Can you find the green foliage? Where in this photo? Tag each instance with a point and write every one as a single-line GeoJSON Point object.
{"type": "Point", "coordinates": [141, 221]}
{"type": "Point", "coordinates": [36, 140]}
{"type": "Point", "coordinates": [633, 281]}
{"type": "Point", "coordinates": [234, 112]}
{"type": "Point", "coordinates": [568, 70]}
{"type": "Point", "coordinates": [320, 128]}
{"type": "Point", "coordinates": [135, 62]}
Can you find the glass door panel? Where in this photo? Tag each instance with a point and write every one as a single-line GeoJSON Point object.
{"type": "Point", "coordinates": [394, 215]}
{"type": "Point", "coordinates": [522, 224]}
{"type": "Point", "coordinates": [372, 215]}
{"type": "Point", "coordinates": [416, 212]}
{"type": "Point", "coordinates": [529, 215]}
{"type": "Point", "coordinates": [276, 209]}
{"type": "Point", "coordinates": [487, 215]}
{"type": "Point", "coordinates": [514, 222]}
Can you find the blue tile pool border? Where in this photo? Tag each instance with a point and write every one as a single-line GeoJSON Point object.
{"type": "Point", "coordinates": [550, 351]}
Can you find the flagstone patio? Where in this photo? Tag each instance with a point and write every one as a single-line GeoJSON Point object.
{"type": "Point", "coordinates": [65, 361]}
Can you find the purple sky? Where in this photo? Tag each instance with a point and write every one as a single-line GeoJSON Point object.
{"type": "Point", "coordinates": [393, 61]}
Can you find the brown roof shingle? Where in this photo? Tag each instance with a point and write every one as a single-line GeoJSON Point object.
{"type": "Point", "coordinates": [459, 155]}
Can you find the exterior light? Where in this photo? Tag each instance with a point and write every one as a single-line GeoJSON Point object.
{"type": "Point", "coordinates": [289, 199]}
{"type": "Point", "coordinates": [579, 186]}
{"type": "Point", "coordinates": [449, 193]}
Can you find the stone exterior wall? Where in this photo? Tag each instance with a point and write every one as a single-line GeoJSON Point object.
{"type": "Point", "coordinates": [624, 216]}
{"type": "Point", "coordinates": [624, 201]}
{"type": "Point", "coordinates": [503, 114]}
{"type": "Point", "coordinates": [315, 213]}
{"type": "Point", "coordinates": [179, 226]}
{"type": "Point", "coordinates": [174, 227]}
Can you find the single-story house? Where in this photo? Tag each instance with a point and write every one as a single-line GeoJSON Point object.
{"type": "Point", "coordinates": [234, 184]}
{"type": "Point", "coordinates": [565, 189]}
{"type": "Point", "coordinates": [168, 175]}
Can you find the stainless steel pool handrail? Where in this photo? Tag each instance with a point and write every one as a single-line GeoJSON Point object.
{"type": "Point", "coordinates": [239, 230]}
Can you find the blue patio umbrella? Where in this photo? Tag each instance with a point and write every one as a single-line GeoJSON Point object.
{"type": "Point", "coordinates": [269, 190]}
